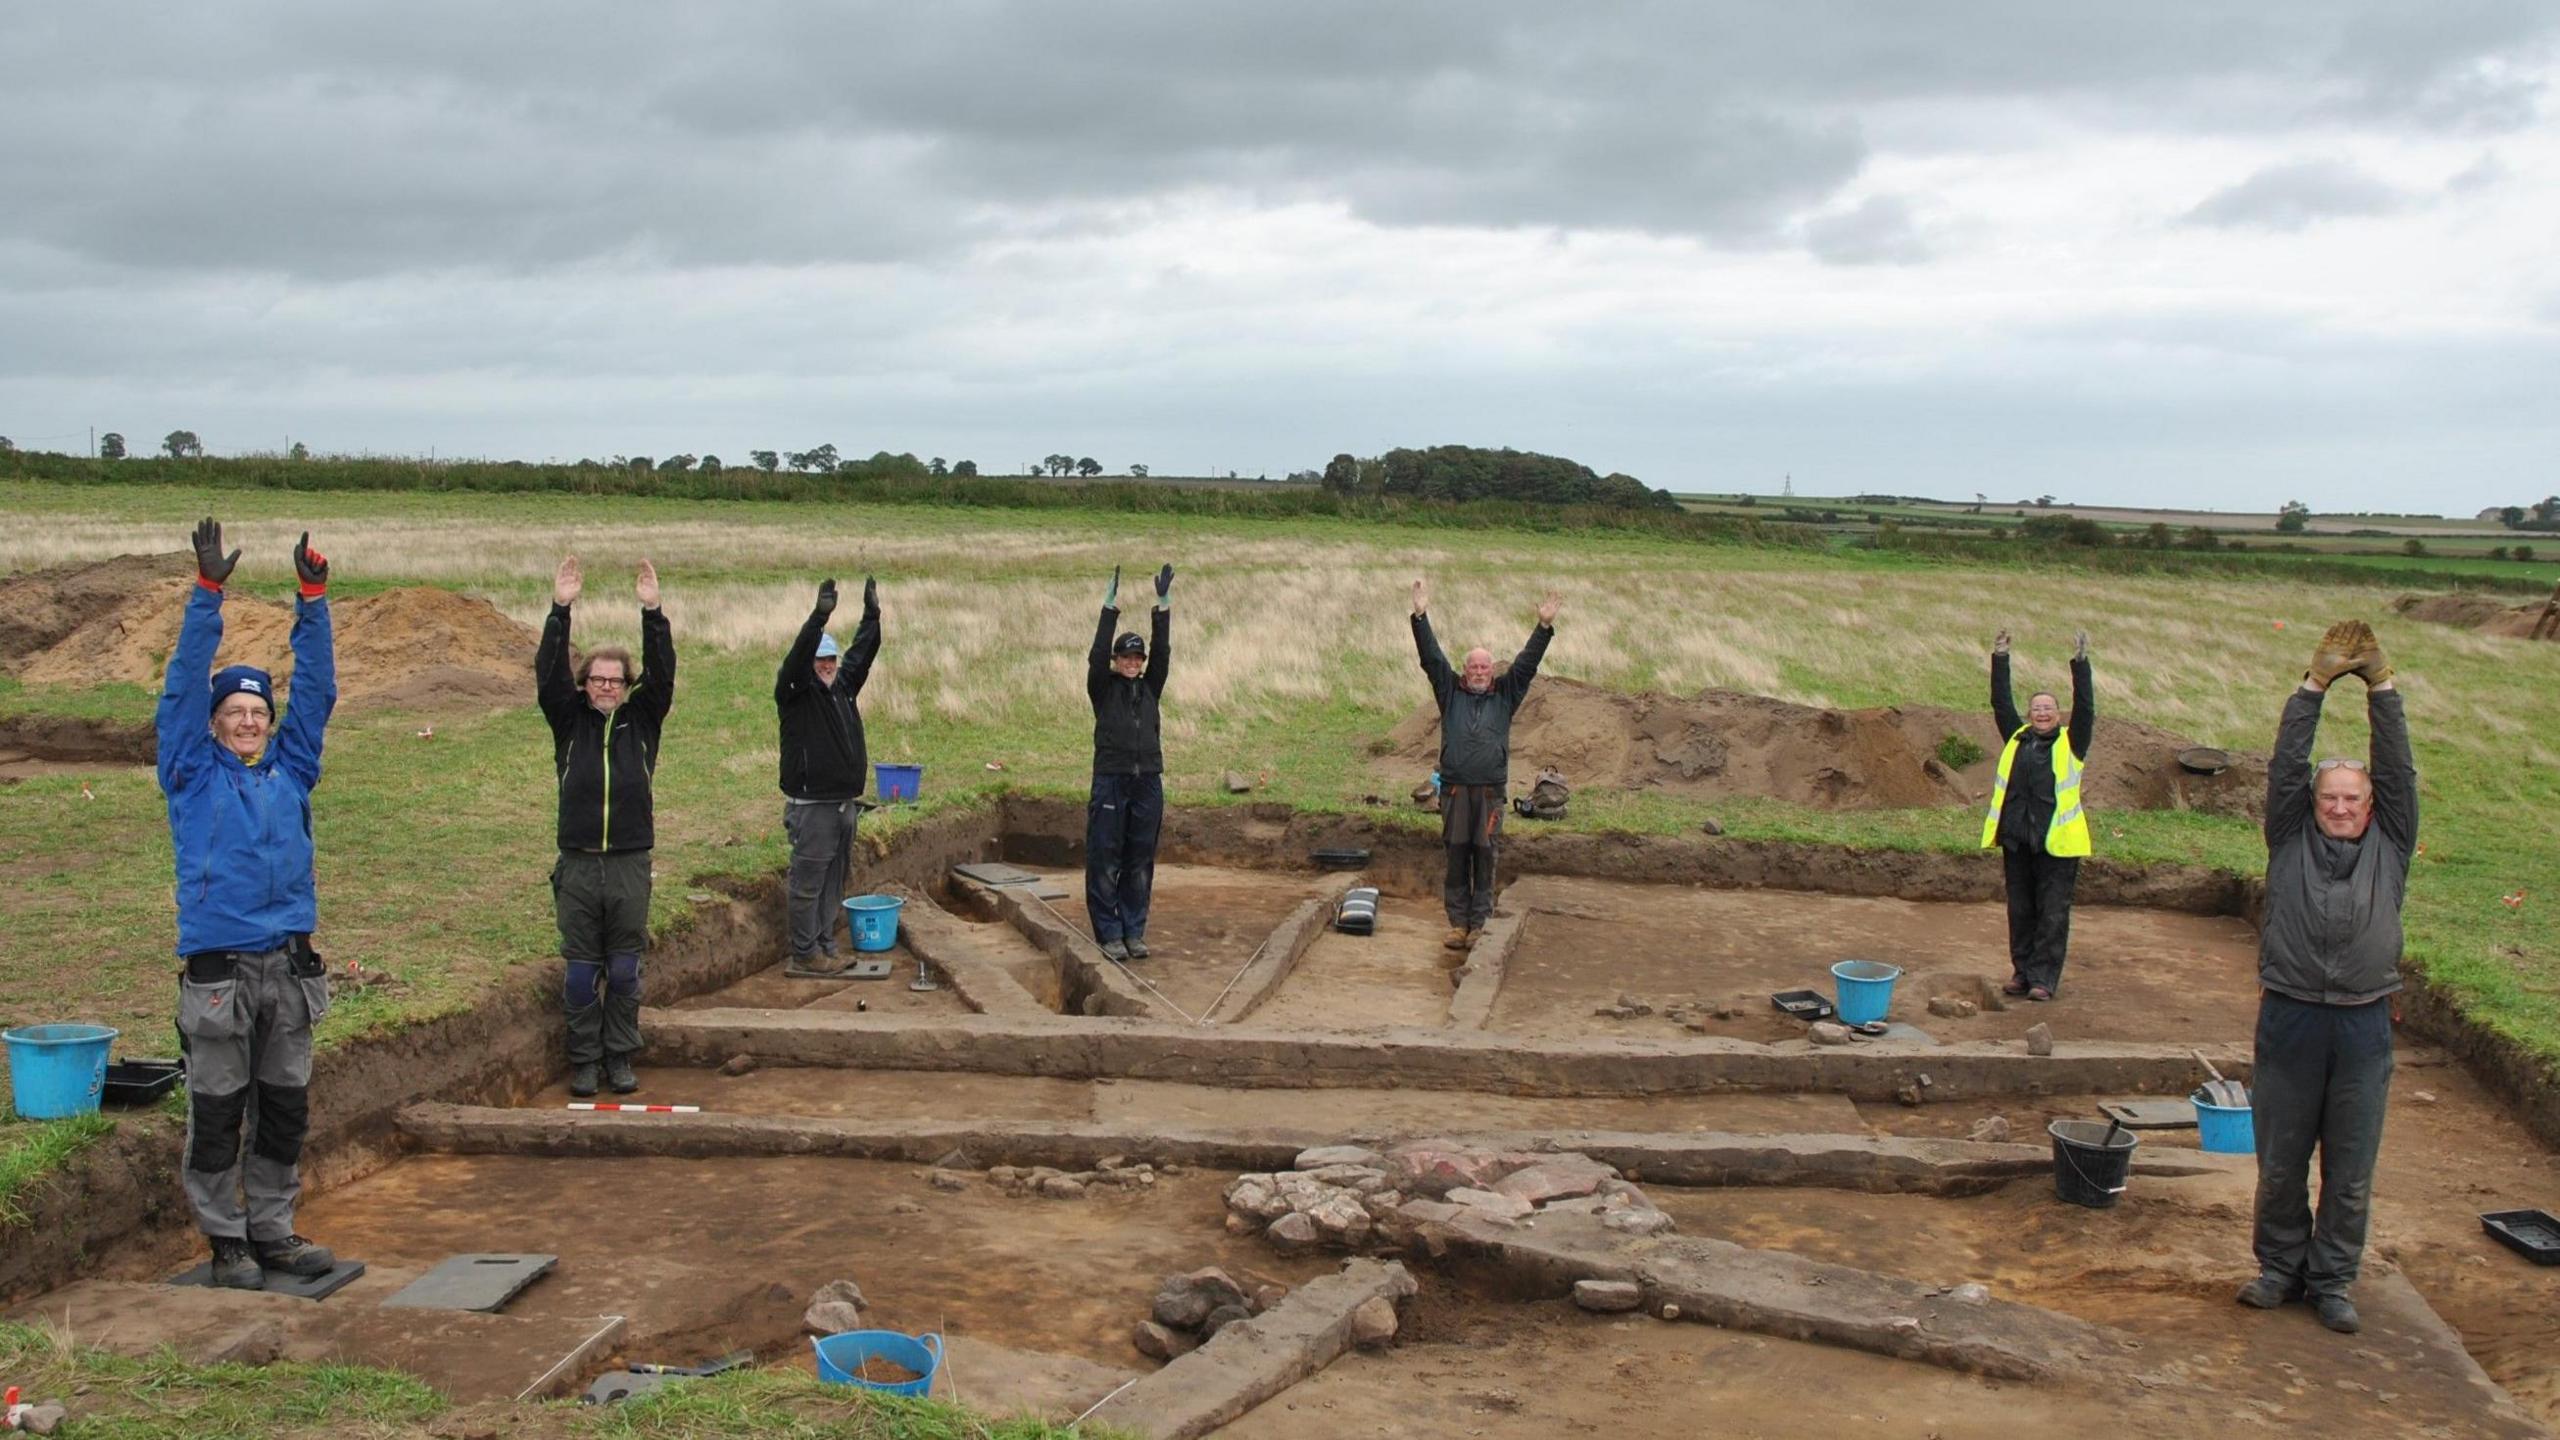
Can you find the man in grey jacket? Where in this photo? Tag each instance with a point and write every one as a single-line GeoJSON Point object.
{"type": "Point", "coordinates": [1476, 706]}
{"type": "Point", "coordinates": [2339, 839]}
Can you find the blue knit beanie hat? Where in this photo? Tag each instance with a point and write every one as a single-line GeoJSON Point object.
{"type": "Point", "coordinates": [233, 680]}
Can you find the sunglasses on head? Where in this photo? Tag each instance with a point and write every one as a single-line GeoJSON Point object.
{"type": "Point", "coordinates": [2325, 766]}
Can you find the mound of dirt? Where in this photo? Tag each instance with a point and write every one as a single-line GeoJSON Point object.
{"type": "Point", "coordinates": [1721, 743]}
{"type": "Point", "coordinates": [414, 649]}
{"type": "Point", "coordinates": [2478, 612]}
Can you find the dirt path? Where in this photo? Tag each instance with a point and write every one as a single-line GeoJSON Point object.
{"type": "Point", "coordinates": [2134, 974]}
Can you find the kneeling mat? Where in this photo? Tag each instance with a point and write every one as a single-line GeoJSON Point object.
{"type": "Point", "coordinates": [472, 1282]}
{"type": "Point", "coordinates": [307, 1287]}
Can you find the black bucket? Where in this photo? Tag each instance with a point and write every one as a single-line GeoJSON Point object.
{"type": "Point", "coordinates": [2089, 1163]}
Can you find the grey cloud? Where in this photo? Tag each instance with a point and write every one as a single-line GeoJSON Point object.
{"type": "Point", "coordinates": [2296, 195]}
{"type": "Point", "coordinates": [318, 138]}
{"type": "Point", "coordinates": [1879, 231]}
{"type": "Point", "coordinates": [2485, 173]}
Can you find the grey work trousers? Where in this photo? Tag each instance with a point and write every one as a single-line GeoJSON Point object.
{"type": "Point", "coordinates": [1471, 833]}
{"type": "Point", "coordinates": [2322, 1078]}
{"type": "Point", "coordinates": [821, 853]}
{"type": "Point", "coordinates": [245, 1027]}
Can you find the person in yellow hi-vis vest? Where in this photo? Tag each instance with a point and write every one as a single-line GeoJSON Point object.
{"type": "Point", "coordinates": [2036, 820]}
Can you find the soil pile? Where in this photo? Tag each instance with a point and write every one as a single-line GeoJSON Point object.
{"type": "Point", "coordinates": [418, 649]}
{"type": "Point", "coordinates": [2539, 621]}
{"type": "Point", "coordinates": [1721, 743]}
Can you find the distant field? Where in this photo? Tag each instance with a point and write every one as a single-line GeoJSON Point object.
{"type": "Point", "coordinates": [2235, 521]}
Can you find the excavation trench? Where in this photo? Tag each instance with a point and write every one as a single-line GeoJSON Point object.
{"type": "Point", "coordinates": [1613, 1017]}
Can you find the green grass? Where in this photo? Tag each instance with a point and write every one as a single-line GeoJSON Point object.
{"type": "Point", "coordinates": [1291, 659]}
{"type": "Point", "coordinates": [30, 1150]}
{"type": "Point", "coordinates": [160, 1397]}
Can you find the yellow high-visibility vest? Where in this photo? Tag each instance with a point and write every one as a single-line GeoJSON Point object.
{"type": "Point", "coordinates": [2068, 834]}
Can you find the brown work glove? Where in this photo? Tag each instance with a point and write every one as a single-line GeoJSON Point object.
{"type": "Point", "coordinates": [2349, 648]}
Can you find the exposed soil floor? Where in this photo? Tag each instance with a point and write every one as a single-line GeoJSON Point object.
{"type": "Point", "coordinates": [708, 1258]}
{"type": "Point", "coordinates": [901, 1096]}
{"type": "Point", "coordinates": [2134, 974]}
{"type": "Point", "coordinates": [20, 765]}
{"type": "Point", "coordinates": [1203, 923]}
{"type": "Point", "coordinates": [2450, 1152]}
{"type": "Point", "coordinates": [1360, 982]}
{"type": "Point", "coordinates": [772, 989]}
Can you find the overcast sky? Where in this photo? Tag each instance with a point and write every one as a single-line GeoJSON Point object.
{"type": "Point", "coordinates": [2190, 252]}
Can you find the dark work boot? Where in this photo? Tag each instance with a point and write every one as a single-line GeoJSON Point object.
{"type": "Point", "coordinates": [235, 1266]}
{"type": "Point", "coordinates": [2338, 1313]}
{"type": "Point", "coordinates": [618, 1076]}
{"type": "Point", "coordinates": [1136, 945]}
{"type": "Point", "coordinates": [582, 1079]}
{"type": "Point", "coordinates": [293, 1255]}
{"type": "Point", "coordinates": [2267, 1292]}
{"type": "Point", "coordinates": [586, 1048]}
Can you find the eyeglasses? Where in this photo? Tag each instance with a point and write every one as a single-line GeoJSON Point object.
{"type": "Point", "coordinates": [614, 682]}
{"type": "Point", "coordinates": [2325, 766]}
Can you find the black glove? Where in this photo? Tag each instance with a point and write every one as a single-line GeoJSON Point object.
{"type": "Point", "coordinates": [311, 567]}
{"type": "Point", "coordinates": [826, 598]}
{"type": "Point", "coordinates": [212, 566]}
{"type": "Point", "coordinates": [1164, 581]}
{"type": "Point", "coordinates": [870, 596]}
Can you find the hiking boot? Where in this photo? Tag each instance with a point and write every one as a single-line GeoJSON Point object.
{"type": "Point", "coordinates": [2039, 994]}
{"type": "Point", "coordinates": [1114, 951]}
{"type": "Point", "coordinates": [2266, 1293]}
{"type": "Point", "coordinates": [2017, 987]}
{"type": "Point", "coordinates": [2338, 1313]}
{"type": "Point", "coordinates": [618, 1076]}
{"type": "Point", "coordinates": [1456, 938]}
{"type": "Point", "coordinates": [293, 1255]}
{"type": "Point", "coordinates": [235, 1266]}
{"type": "Point", "coordinates": [1137, 947]}
{"type": "Point", "coordinates": [582, 1079]}
{"type": "Point", "coordinates": [1473, 936]}
{"type": "Point", "coordinates": [819, 966]}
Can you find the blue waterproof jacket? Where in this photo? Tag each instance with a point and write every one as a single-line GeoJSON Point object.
{"type": "Point", "coordinates": [242, 831]}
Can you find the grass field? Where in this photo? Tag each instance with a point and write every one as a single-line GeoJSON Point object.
{"type": "Point", "coordinates": [112, 1397]}
{"type": "Point", "coordinates": [1291, 655]}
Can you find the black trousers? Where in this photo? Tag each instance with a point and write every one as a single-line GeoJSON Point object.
{"type": "Point", "coordinates": [1471, 832]}
{"type": "Point", "coordinates": [2040, 887]}
{"type": "Point", "coordinates": [2323, 1078]}
{"type": "Point", "coordinates": [1122, 822]}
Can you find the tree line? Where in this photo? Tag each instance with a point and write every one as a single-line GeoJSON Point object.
{"type": "Point", "coordinates": [1467, 472]}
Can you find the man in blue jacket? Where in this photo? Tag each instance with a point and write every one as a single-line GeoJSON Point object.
{"type": "Point", "coordinates": [239, 788]}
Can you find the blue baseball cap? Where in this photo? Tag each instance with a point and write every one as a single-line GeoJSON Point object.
{"type": "Point", "coordinates": [828, 649]}
{"type": "Point", "coordinates": [233, 680]}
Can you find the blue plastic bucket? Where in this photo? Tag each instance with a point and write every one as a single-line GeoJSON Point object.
{"type": "Point", "coordinates": [841, 1355]}
{"type": "Point", "coordinates": [2225, 1129]}
{"type": "Point", "coordinates": [875, 920]}
{"type": "Point", "coordinates": [57, 1070]}
{"type": "Point", "coordinates": [1865, 989]}
{"type": "Point", "coordinates": [898, 782]}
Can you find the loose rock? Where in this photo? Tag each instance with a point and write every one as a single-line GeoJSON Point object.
{"type": "Point", "coordinates": [1555, 1179]}
{"type": "Point", "coordinates": [1292, 1234]}
{"type": "Point", "coordinates": [1179, 1307]}
{"type": "Point", "coordinates": [905, 1207]}
{"type": "Point", "coordinates": [738, 1065]}
{"type": "Point", "coordinates": [1953, 1007]}
{"type": "Point", "coordinates": [1266, 1296]}
{"type": "Point", "coordinates": [946, 1180]}
{"type": "Point", "coordinates": [1340, 1218]}
{"type": "Point", "coordinates": [1636, 1222]}
{"type": "Point", "coordinates": [44, 1419]}
{"type": "Point", "coordinates": [1824, 1032]}
{"type": "Point", "coordinates": [1256, 1196]}
{"type": "Point", "coordinates": [1222, 1317]}
{"type": "Point", "coordinates": [2040, 1040]}
{"type": "Point", "coordinates": [1236, 782]}
{"type": "Point", "coordinates": [1157, 1342]}
{"type": "Point", "coordinates": [1712, 825]}
{"type": "Point", "coordinates": [1608, 1297]}
{"type": "Point", "coordinates": [1062, 1187]}
{"type": "Point", "coordinates": [1490, 1204]}
{"type": "Point", "coordinates": [1374, 1322]}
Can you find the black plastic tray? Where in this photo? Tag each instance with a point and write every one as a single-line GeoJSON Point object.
{"type": "Point", "coordinates": [1805, 1005]}
{"type": "Point", "coordinates": [140, 1082]}
{"type": "Point", "coordinates": [2533, 1234]}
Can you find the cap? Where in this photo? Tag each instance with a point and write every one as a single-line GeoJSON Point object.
{"type": "Point", "coordinates": [1129, 643]}
{"type": "Point", "coordinates": [828, 649]}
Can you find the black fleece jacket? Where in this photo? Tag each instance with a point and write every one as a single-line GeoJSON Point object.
{"type": "Point", "coordinates": [824, 756]}
{"type": "Point", "coordinates": [605, 763]}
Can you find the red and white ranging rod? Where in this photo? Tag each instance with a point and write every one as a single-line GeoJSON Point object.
{"type": "Point", "coordinates": [612, 1108]}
